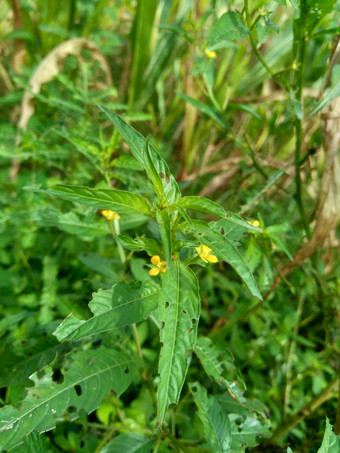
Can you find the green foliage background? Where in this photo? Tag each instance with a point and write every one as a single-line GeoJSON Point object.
{"type": "Point", "coordinates": [238, 101]}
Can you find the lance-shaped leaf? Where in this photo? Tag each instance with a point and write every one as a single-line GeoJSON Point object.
{"type": "Point", "coordinates": [123, 304]}
{"type": "Point", "coordinates": [330, 441]}
{"type": "Point", "coordinates": [129, 443]}
{"type": "Point", "coordinates": [118, 200]}
{"type": "Point", "coordinates": [179, 310]}
{"type": "Point", "coordinates": [140, 244]}
{"type": "Point", "coordinates": [145, 155]}
{"type": "Point", "coordinates": [226, 250]}
{"type": "Point", "coordinates": [218, 364]}
{"type": "Point", "coordinates": [209, 206]}
{"type": "Point", "coordinates": [215, 420]}
{"type": "Point", "coordinates": [90, 377]}
{"type": "Point", "coordinates": [208, 110]}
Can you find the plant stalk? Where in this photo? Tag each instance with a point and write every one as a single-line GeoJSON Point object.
{"type": "Point", "coordinates": [304, 412]}
{"type": "Point", "coordinates": [300, 73]}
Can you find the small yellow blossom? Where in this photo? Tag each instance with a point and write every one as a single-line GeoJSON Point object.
{"type": "Point", "coordinates": [158, 266]}
{"type": "Point", "coordinates": [204, 253]}
{"type": "Point", "coordinates": [110, 215]}
{"type": "Point", "coordinates": [255, 223]}
{"type": "Point", "coordinates": [210, 53]}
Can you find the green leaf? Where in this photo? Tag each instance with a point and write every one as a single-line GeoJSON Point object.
{"type": "Point", "coordinates": [124, 304]}
{"type": "Point", "coordinates": [330, 441]}
{"type": "Point", "coordinates": [11, 320]}
{"type": "Point", "coordinates": [209, 206]}
{"type": "Point", "coordinates": [230, 26]}
{"type": "Point", "coordinates": [245, 433]}
{"type": "Point", "coordinates": [218, 364]}
{"type": "Point", "coordinates": [129, 443]}
{"type": "Point", "coordinates": [215, 420]}
{"type": "Point", "coordinates": [118, 200]}
{"type": "Point", "coordinates": [140, 244]}
{"type": "Point", "coordinates": [142, 37]}
{"type": "Point", "coordinates": [227, 251]}
{"type": "Point", "coordinates": [33, 358]}
{"type": "Point", "coordinates": [71, 223]}
{"type": "Point", "coordinates": [179, 309]}
{"type": "Point", "coordinates": [163, 220]}
{"type": "Point", "coordinates": [206, 109]}
{"type": "Point", "coordinates": [152, 172]}
{"type": "Point", "coordinates": [84, 147]}
{"type": "Point", "coordinates": [136, 142]}
{"type": "Point", "coordinates": [89, 378]}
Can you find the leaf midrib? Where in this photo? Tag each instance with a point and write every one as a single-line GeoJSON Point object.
{"type": "Point", "coordinates": [109, 311]}
{"type": "Point", "coordinates": [146, 210]}
{"type": "Point", "coordinates": [3, 428]}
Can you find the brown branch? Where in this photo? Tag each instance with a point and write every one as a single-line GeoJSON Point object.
{"type": "Point", "coordinates": [304, 412]}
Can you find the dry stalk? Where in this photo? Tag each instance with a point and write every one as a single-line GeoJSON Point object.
{"type": "Point", "coordinates": [328, 210]}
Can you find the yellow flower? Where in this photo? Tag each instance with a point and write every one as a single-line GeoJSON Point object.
{"type": "Point", "coordinates": [110, 215]}
{"type": "Point", "coordinates": [204, 253]}
{"type": "Point", "coordinates": [158, 266]}
{"type": "Point", "coordinates": [210, 53]}
{"type": "Point", "coordinates": [255, 223]}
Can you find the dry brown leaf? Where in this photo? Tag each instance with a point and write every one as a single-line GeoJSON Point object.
{"type": "Point", "coordinates": [51, 65]}
{"type": "Point", "coordinates": [48, 68]}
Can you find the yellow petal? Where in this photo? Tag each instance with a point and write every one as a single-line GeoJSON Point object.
{"type": "Point", "coordinates": [204, 258]}
{"type": "Point", "coordinates": [206, 249]}
{"type": "Point", "coordinates": [163, 270]}
{"type": "Point", "coordinates": [212, 258]}
{"type": "Point", "coordinates": [155, 260]}
{"type": "Point", "coordinates": [198, 250]}
{"type": "Point", "coordinates": [210, 53]}
{"type": "Point", "coordinates": [154, 271]}
{"type": "Point", "coordinates": [256, 223]}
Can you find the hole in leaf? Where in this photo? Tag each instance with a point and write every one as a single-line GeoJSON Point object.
{"type": "Point", "coordinates": [194, 388]}
{"type": "Point", "coordinates": [166, 304]}
{"type": "Point", "coordinates": [222, 231]}
{"type": "Point", "coordinates": [58, 377]}
{"type": "Point", "coordinates": [126, 371]}
{"type": "Point", "coordinates": [226, 216]}
{"type": "Point", "coordinates": [3, 392]}
{"type": "Point", "coordinates": [167, 179]}
{"type": "Point", "coordinates": [194, 320]}
{"type": "Point", "coordinates": [219, 358]}
{"type": "Point", "coordinates": [184, 311]}
{"type": "Point", "coordinates": [200, 233]}
{"type": "Point", "coordinates": [190, 330]}
{"type": "Point", "coordinates": [82, 443]}
{"type": "Point", "coordinates": [161, 174]}
{"type": "Point", "coordinates": [97, 343]}
{"type": "Point", "coordinates": [78, 389]}
{"type": "Point", "coordinates": [71, 409]}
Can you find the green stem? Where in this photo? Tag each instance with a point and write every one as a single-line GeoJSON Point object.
{"type": "Point", "coordinates": [301, 42]}
{"type": "Point", "coordinates": [252, 42]}
{"type": "Point", "coordinates": [291, 352]}
{"type": "Point", "coordinates": [114, 227]}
